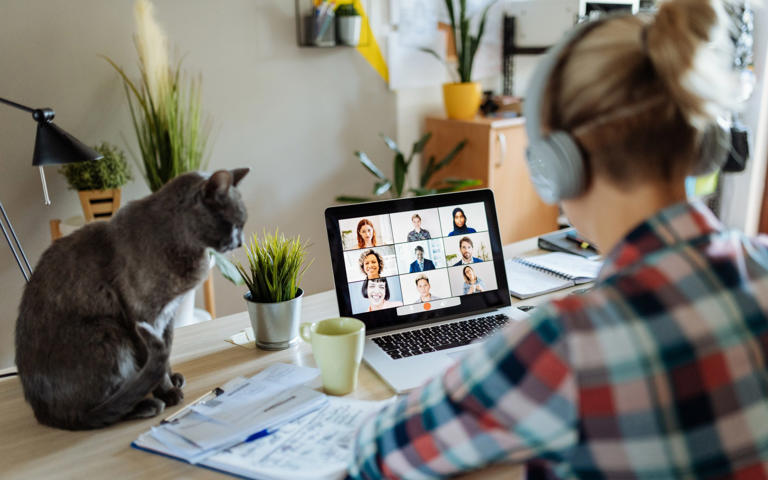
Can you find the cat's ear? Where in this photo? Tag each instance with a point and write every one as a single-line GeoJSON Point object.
{"type": "Point", "coordinates": [238, 174]}
{"type": "Point", "coordinates": [217, 186]}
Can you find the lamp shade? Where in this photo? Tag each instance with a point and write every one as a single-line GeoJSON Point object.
{"type": "Point", "coordinates": [54, 146]}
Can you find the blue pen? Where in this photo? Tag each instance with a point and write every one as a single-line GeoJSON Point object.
{"type": "Point", "coordinates": [261, 434]}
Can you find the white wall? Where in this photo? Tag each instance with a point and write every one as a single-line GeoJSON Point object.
{"type": "Point", "coordinates": [294, 115]}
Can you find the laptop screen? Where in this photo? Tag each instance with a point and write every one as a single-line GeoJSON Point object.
{"type": "Point", "coordinates": [415, 260]}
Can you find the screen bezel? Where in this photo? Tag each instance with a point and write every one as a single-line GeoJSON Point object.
{"type": "Point", "coordinates": [384, 320]}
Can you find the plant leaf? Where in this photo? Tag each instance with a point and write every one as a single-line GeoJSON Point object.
{"type": "Point", "coordinates": [450, 156]}
{"type": "Point", "coordinates": [381, 187]}
{"type": "Point", "coordinates": [390, 143]}
{"type": "Point", "coordinates": [418, 147]}
{"type": "Point", "coordinates": [367, 163]}
{"type": "Point", "coordinates": [227, 268]}
{"type": "Point", "coordinates": [352, 199]}
{"type": "Point", "coordinates": [400, 171]}
{"type": "Point", "coordinates": [460, 183]}
{"type": "Point", "coordinates": [423, 191]}
{"type": "Point", "coordinates": [428, 171]}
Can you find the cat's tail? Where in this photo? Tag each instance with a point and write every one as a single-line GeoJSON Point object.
{"type": "Point", "coordinates": [133, 390]}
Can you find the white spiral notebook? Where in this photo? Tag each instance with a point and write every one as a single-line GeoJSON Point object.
{"type": "Point", "coordinates": [540, 274]}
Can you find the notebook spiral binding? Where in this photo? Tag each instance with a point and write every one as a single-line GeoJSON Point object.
{"type": "Point", "coordinates": [549, 271]}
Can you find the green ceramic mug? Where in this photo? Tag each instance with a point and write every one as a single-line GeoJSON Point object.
{"type": "Point", "coordinates": [337, 344]}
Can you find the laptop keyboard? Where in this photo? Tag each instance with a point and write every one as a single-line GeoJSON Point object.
{"type": "Point", "coordinates": [439, 337]}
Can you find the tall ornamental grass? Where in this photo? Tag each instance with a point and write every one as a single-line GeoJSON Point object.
{"type": "Point", "coordinates": [165, 106]}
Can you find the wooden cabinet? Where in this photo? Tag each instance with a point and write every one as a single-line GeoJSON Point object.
{"type": "Point", "coordinates": [495, 154]}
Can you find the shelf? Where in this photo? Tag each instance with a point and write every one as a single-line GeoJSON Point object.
{"type": "Point", "coordinates": [331, 36]}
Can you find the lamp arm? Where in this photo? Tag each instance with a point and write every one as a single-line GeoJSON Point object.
{"type": "Point", "coordinates": [39, 114]}
{"type": "Point", "coordinates": [28, 272]}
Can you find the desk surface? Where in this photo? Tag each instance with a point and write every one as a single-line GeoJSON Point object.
{"type": "Point", "coordinates": [200, 352]}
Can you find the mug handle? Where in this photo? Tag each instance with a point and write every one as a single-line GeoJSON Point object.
{"type": "Point", "coordinates": [305, 332]}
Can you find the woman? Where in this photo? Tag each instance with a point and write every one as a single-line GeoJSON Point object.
{"type": "Point", "coordinates": [366, 235]}
{"type": "Point", "coordinates": [377, 292]}
{"type": "Point", "coordinates": [472, 284]}
{"type": "Point", "coordinates": [460, 223]}
{"type": "Point", "coordinates": [371, 264]}
{"type": "Point", "coordinates": [659, 370]}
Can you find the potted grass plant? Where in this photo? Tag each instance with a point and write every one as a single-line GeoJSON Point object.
{"type": "Point", "coordinates": [462, 97]}
{"type": "Point", "coordinates": [276, 266]}
{"type": "Point", "coordinates": [98, 183]}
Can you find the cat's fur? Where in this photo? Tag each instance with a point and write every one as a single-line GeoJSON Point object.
{"type": "Point", "coordinates": [95, 322]}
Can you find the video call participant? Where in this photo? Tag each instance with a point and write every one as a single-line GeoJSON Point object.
{"type": "Point", "coordinates": [417, 233]}
{"type": "Point", "coordinates": [460, 223]}
{"type": "Point", "coordinates": [672, 339]}
{"type": "Point", "coordinates": [366, 235]}
{"type": "Point", "coordinates": [421, 264]}
{"type": "Point", "coordinates": [465, 251]}
{"type": "Point", "coordinates": [376, 290]}
{"type": "Point", "coordinates": [472, 284]}
{"type": "Point", "coordinates": [423, 286]}
{"type": "Point", "coordinates": [371, 264]}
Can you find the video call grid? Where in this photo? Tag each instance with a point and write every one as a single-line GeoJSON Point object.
{"type": "Point", "coordinates": [412, 257]}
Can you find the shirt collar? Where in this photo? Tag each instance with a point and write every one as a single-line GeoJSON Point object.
{"type": "Point", "coordinates": [679, 223]}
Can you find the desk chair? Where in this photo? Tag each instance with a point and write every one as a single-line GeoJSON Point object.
{"type": "Point", "coordinates": [208, 295]}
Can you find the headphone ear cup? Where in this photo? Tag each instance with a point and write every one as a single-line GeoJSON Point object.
{"type": "Point", "coordinates": [556, 167]}
{"type": "Point", "coordinates": [714, 148]}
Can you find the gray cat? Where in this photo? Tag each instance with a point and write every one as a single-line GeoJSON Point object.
{"type": "Point", "coordinates": [95, 326]}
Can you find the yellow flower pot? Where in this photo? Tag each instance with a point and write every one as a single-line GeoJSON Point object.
{"type": "Point", "coordinates": [462, 100]}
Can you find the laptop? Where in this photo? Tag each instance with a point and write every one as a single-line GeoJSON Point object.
{"type": "Point", "coordinates": [426, 276]}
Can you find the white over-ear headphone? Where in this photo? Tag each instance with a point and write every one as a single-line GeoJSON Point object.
{"type": "Point", "coordinates": [555, 161]}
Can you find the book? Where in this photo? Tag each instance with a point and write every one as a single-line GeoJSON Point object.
{"type": "Point", "coordinates": [568, 241]}
{"type": "Point", "coordinates": [540, 274]}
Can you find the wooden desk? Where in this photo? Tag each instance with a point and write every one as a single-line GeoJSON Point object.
{"type": "Point", "coordinates": [200, 352]}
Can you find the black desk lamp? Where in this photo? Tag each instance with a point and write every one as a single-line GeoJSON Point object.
{"type": "Point", "coordinates": [53, 146]}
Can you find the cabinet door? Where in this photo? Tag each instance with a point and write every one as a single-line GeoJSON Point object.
{"type": "Point", "coordinates": [521, 212]}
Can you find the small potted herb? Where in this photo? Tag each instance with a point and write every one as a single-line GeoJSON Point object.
{"type": "Point", "coordinates": [276, 266]}
{"type": "Point", "coordinates": [348, 25]}
{"type": "Point", "coordinates": [99, 182]}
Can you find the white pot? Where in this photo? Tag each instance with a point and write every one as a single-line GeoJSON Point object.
{"type": "Point", "coordinates": [348, 30]}
{"type": "Point", "coordinates": [186, 313]}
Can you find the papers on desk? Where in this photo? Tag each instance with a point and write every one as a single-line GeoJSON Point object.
{"type": "Point", "coordinates": [268, 426]}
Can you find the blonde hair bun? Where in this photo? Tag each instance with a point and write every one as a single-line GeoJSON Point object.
{"type": "Point", "coordinates": [690, 48]}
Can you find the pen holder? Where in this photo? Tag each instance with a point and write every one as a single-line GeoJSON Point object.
{"type": "Point", "coordinates": [320, 34]}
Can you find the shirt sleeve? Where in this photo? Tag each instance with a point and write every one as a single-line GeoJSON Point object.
{"type": "Point", "coordinates": [513, 399]}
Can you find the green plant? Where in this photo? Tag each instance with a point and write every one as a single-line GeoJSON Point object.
{"type": "Point", "coordinates": [165, 108]}
{"type": "Point", "coordinates": [275, 267]}
{"type": "Point", "coordinates": [112, 171]}
{"type": "Point", "coordinates": [464, 42]}
{"type": "Point", "coordinates": [346, 10]}
{"type": "Point", "coordinates": [397, 186]}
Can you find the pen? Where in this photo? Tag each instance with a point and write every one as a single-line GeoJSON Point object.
{"type": "Point", "coordinates": [204, 398]}
{"type": "Point", "coordinates": [580, 242]}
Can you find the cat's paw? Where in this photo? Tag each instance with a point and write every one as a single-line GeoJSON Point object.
{"type": "Point", "coordinates": [171, 397]}
{"type": "Point", "coordinates": [177, 380]}
{"type": "Point", "coordinates": [146, 408]}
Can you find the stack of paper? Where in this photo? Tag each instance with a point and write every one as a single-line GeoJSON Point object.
{"type": "Point", "coordinates": [267, 427]}
{"type": "Point", "coordinates": [246, 409]}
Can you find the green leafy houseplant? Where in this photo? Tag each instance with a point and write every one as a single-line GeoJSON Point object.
{"type": "Point", "coordinates": [165, 108]}
{"type": "Point", "coordinates": [112, 171]}
{"type": "Point", "coordinates": [346, 10]}
{"type": "Point", "coordinates": [397, 185]}
{"type": "Point", "coordinates": [276, 266]}
{"type": "Point", "coordinates": [464, 42]}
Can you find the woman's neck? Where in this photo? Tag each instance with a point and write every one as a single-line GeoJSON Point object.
{"type": "Point", "coordinates": [607, 212]}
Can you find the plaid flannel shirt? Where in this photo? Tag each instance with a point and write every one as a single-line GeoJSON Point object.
{"type": "Point", "coordinates": [658, 372]}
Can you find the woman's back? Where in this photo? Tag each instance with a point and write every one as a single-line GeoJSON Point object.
{"type": "Point", "coordinates": [668, 353]}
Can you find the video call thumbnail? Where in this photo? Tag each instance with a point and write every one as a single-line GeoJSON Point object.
{"type": "Point", "coordinates": [416, 256]}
